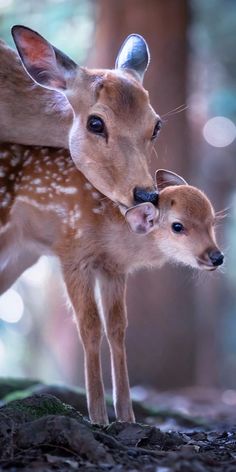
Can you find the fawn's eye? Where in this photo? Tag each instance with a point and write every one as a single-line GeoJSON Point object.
{"type": "Point", "coordinates": [96, 125]}
{"type": "Point", "coordinates": [177, 227]}
{"type": "Point", "coordinates": [157, 129]}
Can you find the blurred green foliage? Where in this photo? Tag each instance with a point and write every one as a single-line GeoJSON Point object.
{"type": "Point", "coordinates": [214, 36]}
{"type": "Point", "coordinates": [214, 33]}
{"type": "Point", "coordinates": [69, 24]}
{"type": "Point", "coordinates": [66, 23]}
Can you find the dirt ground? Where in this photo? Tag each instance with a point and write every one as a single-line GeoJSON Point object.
{"type": "Point", "coordinates": [42, 429]}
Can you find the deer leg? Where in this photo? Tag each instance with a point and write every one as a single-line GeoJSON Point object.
{"type": "Point", "coordinates": [80, 289]}
{"type": "Point", "coordinates": [14, 270]}
{"type": "Point", "coordinates": [14, 260]}
{"type": "Point", "coordinates": [112, 303]}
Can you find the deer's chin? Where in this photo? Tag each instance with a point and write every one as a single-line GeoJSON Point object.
{"type": "Point", "coordinates": [204, 265]}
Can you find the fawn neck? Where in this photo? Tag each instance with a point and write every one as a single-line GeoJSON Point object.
{"type": "Point", "coordinates": [48, 202]}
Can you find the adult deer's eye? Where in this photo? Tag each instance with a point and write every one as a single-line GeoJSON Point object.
{"type": "Point", "coordinates": [96, 125]}
{"type": "Point", "coordinates": [157, 129]}
{"type": "Point", "coordinates": [177, 227]}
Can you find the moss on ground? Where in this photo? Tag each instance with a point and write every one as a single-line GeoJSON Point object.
{"type": "Point", "coordinates": [37, 406]}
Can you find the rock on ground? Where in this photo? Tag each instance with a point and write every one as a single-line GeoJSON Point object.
{"type": "Point", "coordinates": [42, 433]}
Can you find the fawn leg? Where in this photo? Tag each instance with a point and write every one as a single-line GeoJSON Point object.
{"type": "Point", "coordinates": [80, 289]}
{"type": "Point", "coordinates": [112, 304]}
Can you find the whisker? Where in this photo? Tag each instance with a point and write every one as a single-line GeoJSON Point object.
{"type": "Point", "coordinates": [155, 152]}
{"type": "Point", "coordinates": [176, 110]}
{"type": "Point", "coordinates": [222, 270]}
{"type": "Point", "coordinates": [221, 214]}
{"type": "Point", "coordinates": [226, 250]}
{"type": "Point", "coordinates": [199, 277]}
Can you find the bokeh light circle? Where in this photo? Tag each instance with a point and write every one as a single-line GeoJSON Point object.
{"type": "Point", "coordinates": [219, 131]}
{"type": "Point", "coordinates": [11, 306]}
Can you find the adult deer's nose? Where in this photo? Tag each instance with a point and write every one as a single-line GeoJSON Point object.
{"type": "Point", "coordinates": [216, 257]}
{"type": "Point", "coordinates": [142, 195]}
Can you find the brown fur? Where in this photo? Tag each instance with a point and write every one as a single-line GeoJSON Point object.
{"type": "Point", "coordinates": [33, 115]}
{"type": "Point", "coordinates": [48, 207]}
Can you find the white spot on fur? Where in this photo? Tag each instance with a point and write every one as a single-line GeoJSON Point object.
{"type": "Point", "coordinates": [15, 160]}
{"type": "Point", "coordinates": [44, 151]}
{"type": "Point", "coordinates": [88, 186]}
{"type": "Point", "coordinates": [66, 190]}
{"type": "Point", "coordinates": [78, 234]}
{"type": "Point", "coordinates": [26, 153]}
{"type": "Point", "coordinates": [60, 210]}
{"type": "Point", "coordinates": [15, 147]}
{"type": "Point", "coordinates": [41, 189]}
{"type": "Point", "coordinates": [95, 195]}
{"type": "Point", "coordinates": [38, 169]}
{"type": "Point", "coordinates": [5, 228]}
{"type": "Point", "coordinates": [97, 210]}
{"type": "Point", "coordinates": [27, 161]}
{"type": "Point", "coordinates": [6, 200]}
{"type": "Point", "coordinates": [4, 154]}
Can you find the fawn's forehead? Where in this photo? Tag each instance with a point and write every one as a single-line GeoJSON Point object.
{"type": "Point", "coordinates": [189, 202]}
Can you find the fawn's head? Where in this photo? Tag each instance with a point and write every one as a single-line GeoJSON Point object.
{"type": "Point", "coordinates": [182, 225]}
{"type": "Point", "coordinates": [114, 125]}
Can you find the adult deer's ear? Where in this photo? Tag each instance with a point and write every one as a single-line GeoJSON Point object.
{"type": "Point", "coordinates": [45, 64]}
{"type": "Point", "coordinates": [142, 218]}
{"type": "Point", "coordinates": [166, 178]}
{"type": "Point", "coordinates": [134, 56]}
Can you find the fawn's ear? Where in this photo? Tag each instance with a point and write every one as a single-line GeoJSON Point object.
{"type": "Point", "coordinates": [134, 56]}
{"type": "Point", "coordinates": [142, 218]}
{"type": "Point", "coordinates": [166, 178]}
{"type": "Point", "coordinates": [45, 64]}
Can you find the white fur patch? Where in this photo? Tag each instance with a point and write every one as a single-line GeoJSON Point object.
{"type": "Point", "coordinates": [95, 195]}
{"type": "Point", "coordinates": [97, 210]}
{"type": "Point", "coordinates": [88, 186]}
{"type": "Point", "coordinates": [98, 299]}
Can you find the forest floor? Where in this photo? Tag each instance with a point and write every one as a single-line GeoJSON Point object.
{"type": "Point", "coordinates": [42, 429]}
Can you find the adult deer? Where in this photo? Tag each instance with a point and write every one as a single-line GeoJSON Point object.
{"type": "Point", "coordinates": [103, 116]}
{"type": "Point", "coordinates": [48, 207]}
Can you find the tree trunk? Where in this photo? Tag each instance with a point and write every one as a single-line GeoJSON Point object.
{"type": "Point", "coordinates": [160, 341]}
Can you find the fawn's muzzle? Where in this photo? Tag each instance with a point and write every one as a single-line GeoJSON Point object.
{"type": "Point", "coordinates": [216, 257]}
{"type": "Point", "coordinates": [142, 195]}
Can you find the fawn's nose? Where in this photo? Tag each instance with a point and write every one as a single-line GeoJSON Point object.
{"type": "Point", "coordinates": [142, 195]}
{"type": "Point", "coordinates": [216, 257]}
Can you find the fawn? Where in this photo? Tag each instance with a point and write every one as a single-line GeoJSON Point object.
{"type": "Point", "coordinates": [104, 116]}
{"type": "Point", "coordinates": [48, 207]}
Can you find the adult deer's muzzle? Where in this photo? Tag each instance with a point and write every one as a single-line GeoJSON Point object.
{"type": "Point", "coordinates": [142, 195]}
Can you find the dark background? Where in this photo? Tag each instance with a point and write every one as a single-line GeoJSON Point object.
{"type": "Point", "coordinates": [182, 324]}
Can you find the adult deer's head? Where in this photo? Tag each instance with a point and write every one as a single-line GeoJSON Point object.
{"type": "Point", "coordinates": [114, 125]}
